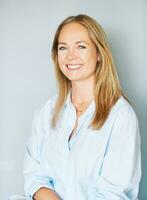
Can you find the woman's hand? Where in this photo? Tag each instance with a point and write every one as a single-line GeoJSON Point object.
{"type": "Point", "coordinates": [46, 194]}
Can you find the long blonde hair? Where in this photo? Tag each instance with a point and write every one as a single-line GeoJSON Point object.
{"type": "Point", "coordinates": [107, 88]}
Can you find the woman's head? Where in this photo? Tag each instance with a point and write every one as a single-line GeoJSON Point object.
{"type": "Point", "coordinates": [107, 88]}
{"type": "Point", "coordinates": [77, 54]}
{"type": "Point", "coordinates": [95, 34]}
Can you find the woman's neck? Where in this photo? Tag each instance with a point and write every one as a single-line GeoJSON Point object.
{"type": "Point", "coordinates": [82, 92]}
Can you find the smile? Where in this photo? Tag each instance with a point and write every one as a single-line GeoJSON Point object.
{"type": "Point", "coordinates": [73, 66]}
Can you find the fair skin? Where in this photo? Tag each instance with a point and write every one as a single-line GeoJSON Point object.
{"type": "Point", "coordinates": [45, 194]}
{"type": "Point", "coordinates": [77, 58]}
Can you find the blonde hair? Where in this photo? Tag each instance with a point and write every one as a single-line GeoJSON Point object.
{"type": "Point", "coordinates": [107, 88]}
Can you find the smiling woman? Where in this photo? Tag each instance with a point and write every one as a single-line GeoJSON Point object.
{"type": "Point", "coordinates": [77, 146]}
{"type": "Point", "coordinates": [77, 54]}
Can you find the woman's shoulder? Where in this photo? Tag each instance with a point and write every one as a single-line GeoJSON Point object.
{"type": "Point", "coordinates": [50, 103]}
{"type": "Point", "coordinates": [123, 109]}
{"type": "Point", "coordinates": [45, 110]}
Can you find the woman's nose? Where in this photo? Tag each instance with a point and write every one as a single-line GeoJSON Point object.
{"type": "Point", "coordinates": [71, 54]}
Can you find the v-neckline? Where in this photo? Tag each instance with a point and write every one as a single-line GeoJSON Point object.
{"type": "Point", "coordinates": [70, 108]}
{"type": "Point", "coordinates": [79, 135]}
{"type": "Point", "coordinates": [73, 134]}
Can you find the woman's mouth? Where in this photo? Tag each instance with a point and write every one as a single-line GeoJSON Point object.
{"type": "Point", "coordinates": [73, 66]}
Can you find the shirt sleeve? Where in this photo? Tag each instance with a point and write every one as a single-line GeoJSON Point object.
{"type": "Point", "coordinates": [35, 175]}
{"type": "Point", "coordinates": [121, 167]}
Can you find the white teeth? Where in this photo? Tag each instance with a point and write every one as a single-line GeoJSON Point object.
{"type": "Point", "coordinates": [74, 66]}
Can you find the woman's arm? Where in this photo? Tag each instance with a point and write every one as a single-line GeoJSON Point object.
{"type": "Point", "coordinates": [45, 194]}
{"type": "Point", "coordinates": [36, 176]}
{"type": "Point", "coordinates": [121, 169]}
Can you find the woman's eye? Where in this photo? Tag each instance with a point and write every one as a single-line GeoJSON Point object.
{"type": "Point", "coordinates": [82, 47]}
{"type": "Point", "coordinates": [61, 48]}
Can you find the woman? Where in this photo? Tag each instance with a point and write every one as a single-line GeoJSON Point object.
{"type": "Point", "coordinates": [85, 143]}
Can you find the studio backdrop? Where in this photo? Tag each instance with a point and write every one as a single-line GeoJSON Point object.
{"type": "Point", "coordinates": [27, 78]}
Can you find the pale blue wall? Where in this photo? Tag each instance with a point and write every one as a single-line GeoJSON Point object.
{"type": "Point", "coordinates": [26, 32]}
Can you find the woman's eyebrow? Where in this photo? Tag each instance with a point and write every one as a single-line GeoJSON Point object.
{"type": "Point", "coordinates": [64, 43]}
{"type": "Point", "coordinates": [82, 42]}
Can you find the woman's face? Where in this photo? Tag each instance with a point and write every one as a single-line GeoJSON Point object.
{"type": "Point", "coordinates": [77, 55]}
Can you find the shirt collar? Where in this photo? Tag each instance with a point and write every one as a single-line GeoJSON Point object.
{"type": "Point", "coordinates": [68, 99]}
{"type": "Point", "coordinates": [89, 110]}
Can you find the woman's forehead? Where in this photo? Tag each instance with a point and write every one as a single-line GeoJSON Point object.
{"type": "Point", "coordinates": [74, 32]}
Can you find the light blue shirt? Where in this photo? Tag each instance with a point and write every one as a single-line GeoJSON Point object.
{"type": "Point", "coordinates": [95, 164]}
